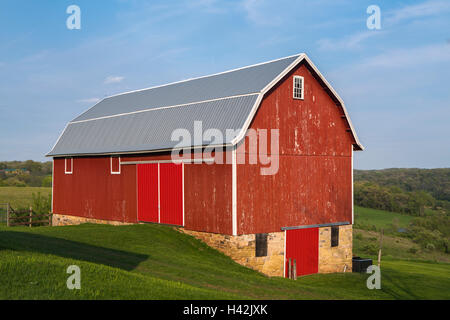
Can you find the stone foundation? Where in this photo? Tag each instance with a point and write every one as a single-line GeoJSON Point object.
{"type": "Point", "coordinates": [242, 250]}
{"type": "Point", "coordinates": [66, 220]}
{"type": "Point", "coordinates": [339, 258]}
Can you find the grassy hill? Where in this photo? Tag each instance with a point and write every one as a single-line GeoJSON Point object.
{"type": "Point", "coordinates": [158, 262]}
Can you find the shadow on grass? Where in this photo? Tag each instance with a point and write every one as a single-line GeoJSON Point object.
{"type": "Point", "coordinates": [23, 241]}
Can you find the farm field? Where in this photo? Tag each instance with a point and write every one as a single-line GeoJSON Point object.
{"type": "Point", "coordinates": [21, 196]}
{"type": "Point", "coordinates": [158, 262]}
{"type": "Point", "coordinates": [368, 217]}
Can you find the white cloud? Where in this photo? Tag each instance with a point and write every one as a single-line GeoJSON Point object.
{"type": "Point", "coordinates": [351, 42]}
{"type": "Point", "coordinates": [113, 79]}
{"type": "Point", "coordinates": [259, 12]}
{"type": "Point", "coordinates": [427, 8]}
{"type": "Point", "coordinates": [89, 100]}
{"type": "Point", "coordinates": [400, 58]}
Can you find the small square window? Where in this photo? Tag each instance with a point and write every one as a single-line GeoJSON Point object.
{"type": "Point", "coordinates": [68, 165]}
{"type": "Point", "coordinates": [115, 165]}
{"type": "Point", "coordinates": [335, 236]}
{"type": "Point", "coordinates": [261, 245]}
{"type": "Point", "coordinates": [298, 87]}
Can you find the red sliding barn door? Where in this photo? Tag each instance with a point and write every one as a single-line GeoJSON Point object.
{"type": "Point", "coordinates": [147, 185]}
{"type": "Point", "coordinates": [303, 246]}
{"type": "Point", "coordinates": [160, 193]}
{"type": "Point", "coordinates": [171, 193]}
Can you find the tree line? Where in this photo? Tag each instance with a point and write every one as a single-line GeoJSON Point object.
{"type": "Point", "coordinates": [26, 173]}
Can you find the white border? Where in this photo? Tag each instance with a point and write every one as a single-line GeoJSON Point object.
{"type": "Point", "coordinates": [234, 191]}
{"type": "Point", "coordinates": [111, 165]}
{"type": "Point", "coordinates": [284, 260]}
{"type": "Point", "coordinates": [182, 186]}
{"type": "Point", "coordinates": [65, 165]}
{"type": "Point", "coordinates": [159, 195]}
{"type": "Point", "coordinates": [53, 181]}
{"type": "Point", "coordinates": [353, 199]}
{"type": "Point", "coordinates": [302, 88]}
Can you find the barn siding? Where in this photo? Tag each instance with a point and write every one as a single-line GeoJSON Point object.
{"type": "Point", "coordinates": [92, 192]}
{"type": "Point", "coordinates": [313, 184]}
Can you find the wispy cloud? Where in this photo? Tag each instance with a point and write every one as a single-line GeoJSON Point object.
{"type": "Point", "coordinates": [259, 13]}
{"type": "Point", "coordinates": [113, 79]}
{"type": "Point", "coordinates": [351, 42]}
{"type": "Point", "coordinates": [424, 9]}
{"type": "Point", "coordinates": [89, 100]}
{"type": "Point", "coordinates": [402, 58]}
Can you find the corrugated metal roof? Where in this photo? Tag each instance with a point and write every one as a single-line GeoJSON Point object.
{"type": "Point", "coordinates": [232, 83]}
{"type": "Point", "coordinates": [152, 129]}
{"type": "Point", "coordinates": [144, 120]}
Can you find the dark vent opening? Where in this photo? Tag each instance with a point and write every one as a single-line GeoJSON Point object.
{"type": "Point", "coordinates": [261, 245]}
{"type": "Point", "coordinates": [334, 236]}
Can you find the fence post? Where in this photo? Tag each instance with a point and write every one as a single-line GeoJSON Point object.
{"type": "Point", "coordinates": [7, 214]}
{"type": "Point", "coordinates": [290, 269]}
{"type": "Point", "coordinates": [294, 270]}
{"type": "Point", "coordinates": [31, 216]}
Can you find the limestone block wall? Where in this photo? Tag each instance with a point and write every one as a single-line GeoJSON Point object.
{"type": "Point", "coordinates": [339, 258]}
{"type": "Point", "coordinates": [242, 250]}
{"type": "Point", "coordinates": [66, 220]}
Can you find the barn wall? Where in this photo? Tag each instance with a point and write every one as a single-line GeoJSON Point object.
{"type": "Point", "coordinates": [313, 183]}
{"type": "Point", "coordinates": [91, 191]}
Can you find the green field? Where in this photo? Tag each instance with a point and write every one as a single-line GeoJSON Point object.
{"type": "Point", "coordinates": [158, 262]}
{"type": "Point", "coordinates": [367, 217]}
{"type": "Point", "coordinates": [21, 197]}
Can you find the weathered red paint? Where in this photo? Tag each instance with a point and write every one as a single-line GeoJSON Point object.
{"type": "Point", "coordinates": [171, 193]}
{"type": "Point", "coordinates": [303, 246]}
{"type": "Point", "coordinates": [313, 183]}
{"type": "Point", "coordinates": [147, 197]}
{"type": "Point", "coordinates": [91, 190]}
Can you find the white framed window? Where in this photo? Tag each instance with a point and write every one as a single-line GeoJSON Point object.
{"type": "Point", "coordinates": [68, 165]}
{"type": "Point", "coordinates": [115, 165]}
{"type": "Point", "coordinates": [299, 86]}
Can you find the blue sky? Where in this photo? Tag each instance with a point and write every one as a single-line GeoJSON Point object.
{"type": "Point", "coordinates": [393, 80]}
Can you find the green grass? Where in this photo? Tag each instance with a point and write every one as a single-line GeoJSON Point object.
{"type": "Point", "coordinates": [21, 196]}
{"type": "Point", "coordinates": [367, 218]}
{"type": "Point", "coordinates": [366, 243]}
{"type": "Point", "coordinates": [158, 262]}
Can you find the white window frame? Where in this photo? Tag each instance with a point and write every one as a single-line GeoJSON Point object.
{"type": "Point", "coordinates": [111, 165]}
{"type": "Point", "coordinates": [302, 87]}
{"type": "Point", "coordinates": [71, 165]}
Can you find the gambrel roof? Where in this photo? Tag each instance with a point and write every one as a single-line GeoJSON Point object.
{"type": "Point", "coordinates": [143, 120]}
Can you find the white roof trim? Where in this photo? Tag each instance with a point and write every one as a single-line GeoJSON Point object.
{"type": "Point", "coordinates": [165, 107]}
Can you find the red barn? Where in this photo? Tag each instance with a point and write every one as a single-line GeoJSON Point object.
{"type": "Point", "coordinates": [255, 161]}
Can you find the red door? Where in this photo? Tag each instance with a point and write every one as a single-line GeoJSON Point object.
{"type": "Point", "coordinates": [160, 193]}
{"type": "Point", "coordinates": [147, 185]}
{"type": "Point", "coordinates": [303, 246]}
{"type": "Point", "coordinates": [171, 193]}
